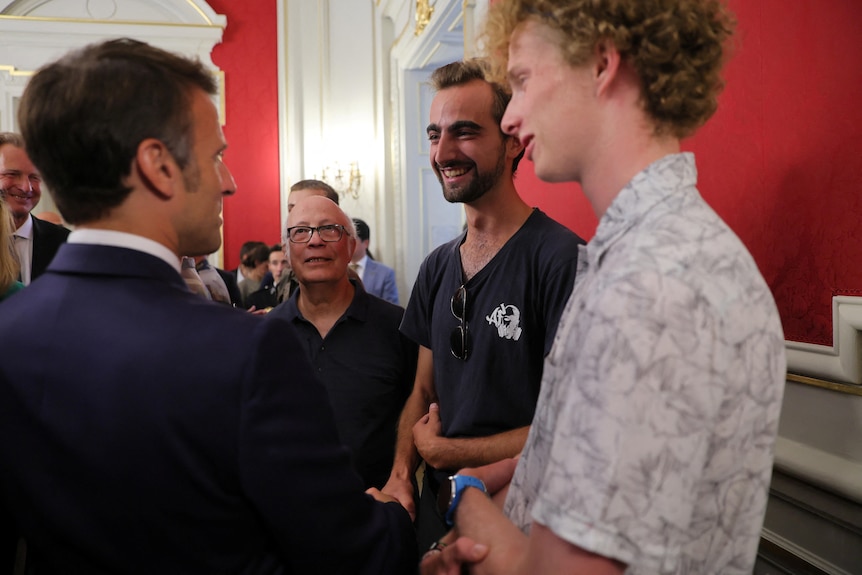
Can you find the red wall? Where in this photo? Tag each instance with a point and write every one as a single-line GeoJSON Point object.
{"type": "Point", "coordinates": [781, 161]}
{"type": "Point", "coordinates": [248, 55]}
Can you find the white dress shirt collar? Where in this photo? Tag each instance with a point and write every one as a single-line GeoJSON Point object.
{"type": "Point", "coordinates": [24, 249]}
{"type": "Point", "coordinates": [360, 266]}
{"type": "Point", "coordinates": [125, 240]}
{"type": "Point", "coordinates": [26, 229]}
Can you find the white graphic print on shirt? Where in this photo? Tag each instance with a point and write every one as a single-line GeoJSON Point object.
{"type": "Point", "coordinates": [507, 319]}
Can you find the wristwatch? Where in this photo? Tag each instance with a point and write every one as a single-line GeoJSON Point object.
{"type": "Point", "coordinates": [448, 500]}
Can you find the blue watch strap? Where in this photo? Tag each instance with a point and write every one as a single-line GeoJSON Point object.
{"type": "Point", "coordinates": [458, 484]}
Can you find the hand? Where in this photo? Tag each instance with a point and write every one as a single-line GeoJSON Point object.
{"type": "Point", "coordinates": [401, 490]}
{"type": "Point", "coordinates": [449, 561]}
{"type": "Point", "coordinates": [427, 433]}
{"type": "Point", "coordinates": [380, 496]}
{"type": "Point", "coordinates": [254, 311]}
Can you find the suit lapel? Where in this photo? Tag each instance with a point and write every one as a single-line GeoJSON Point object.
{"type": "Point", "coordinates": [371, 274]}
{"type": "Point", "coordinates": [41, 251]}
{"type": "Point", "coordinates": [46, 242]}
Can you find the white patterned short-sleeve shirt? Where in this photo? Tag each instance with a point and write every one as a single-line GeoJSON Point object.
{"type": "Point", "coordinates": [653, 437]}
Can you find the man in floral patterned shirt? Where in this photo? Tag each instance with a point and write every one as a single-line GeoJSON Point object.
{"type": "Point", "coordinates": [651, 447]}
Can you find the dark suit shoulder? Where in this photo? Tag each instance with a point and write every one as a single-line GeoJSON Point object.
{"type": "Point", "coordinates": [47, 239]}
{"type": "Point", "coordinates": [45, 230]}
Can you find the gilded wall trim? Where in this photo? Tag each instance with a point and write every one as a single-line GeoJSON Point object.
{"type": "Point", "coordinates": [824, 384]}
{"type": "Point", "coordinates": [424, 11]}
{"type": "Point", "coordinates": [13, 71]}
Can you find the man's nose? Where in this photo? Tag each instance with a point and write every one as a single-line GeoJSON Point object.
{"type": "Point", "coordinates": [445, 150]}
{"type": "Point", "coordinates": [509, 124]}
{"type": "Point", "coordinates": [22, 182]}
{"type": "Point", "coordinates": [315, 238]}
{"type": "Point", "coordinates": [227, 181]}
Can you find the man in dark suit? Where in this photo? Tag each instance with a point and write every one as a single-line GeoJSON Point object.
{"type": "Point", "coordinates": [36, 241]}
{"type": "Point", "coordinates": [378, 279]}
{"type": "Point", "coordinates": [152, 431]}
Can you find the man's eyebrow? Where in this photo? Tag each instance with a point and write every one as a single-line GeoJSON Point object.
{"type": "Point", "coordinates": [462, 124]}
{"type": "Point", "coordinates": [455, 126]}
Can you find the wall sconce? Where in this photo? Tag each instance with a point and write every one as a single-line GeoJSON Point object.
{"type": "Point", "coordinates": [345, 181]}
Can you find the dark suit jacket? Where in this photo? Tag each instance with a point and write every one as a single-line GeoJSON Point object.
{"type": "Point", "coordinates": [229, 279]}
{"type": "Point", "coordinates": [47, 238]}
{"type": "Point", "coordinates": [379, 280]}
{"type": "Point", "coordinates": [152, 431]}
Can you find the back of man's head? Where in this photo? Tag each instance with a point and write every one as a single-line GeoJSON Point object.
{"type": "Point", "coordinates": [317, 185]}
{"type": "Point", "coordinates": [83, 117]}
{"type": "Point", "coordinates": [248, 247]}
{"type": "Point", "coordinates": [363, 232]}
{"type": "Point", "coordinates": [259, 254]}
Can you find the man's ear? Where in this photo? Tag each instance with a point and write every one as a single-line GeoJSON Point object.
{"type": "Point", "coordinates": [606, 66]}
{"type": "Point", "coordinates": [513, 147]}
{"type": "Point", "coordinates": [157, 167]}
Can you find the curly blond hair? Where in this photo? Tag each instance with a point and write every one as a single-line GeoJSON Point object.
{"type": "Point", "coordinates": [676, 47]}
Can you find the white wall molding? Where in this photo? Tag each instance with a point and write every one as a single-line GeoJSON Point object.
{"type": "Point", "coordinates": [833, 472]}
{"type": "Point", "coordinates": [188, 12]}
{"type": "Point", "coordinates": [327, 94]}
{"type": "Point", "coordinates": [842, 361]}
{"type": "Point", "coordinates": [820, 428]}
{"type": "Point", "coordinates": [35, 32]}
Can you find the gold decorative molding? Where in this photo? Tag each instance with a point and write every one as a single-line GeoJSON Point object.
{"type": "Point", "coordinates": [13, 71]}
{"type": "Point", "coordinates": [197, 9]}
{"type": "Point", "coordinates": [424, 10]}
{"type": "Point", "coordinates": [850, 388]}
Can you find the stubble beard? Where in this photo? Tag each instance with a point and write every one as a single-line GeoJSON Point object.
{"type": "Point", "coordinates": [208, 240]}
{"type": "Point", "coordinates": [479, 185]}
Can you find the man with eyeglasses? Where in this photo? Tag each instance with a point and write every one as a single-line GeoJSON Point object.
{"type": "Point", "coordinates": [350, 336]}
{"type": "Point", "coordinates": [484, 307]}
{"type": "Point", "coordinates": [283, 286]}
{"type": "Point", "coordinates": [36, 240]}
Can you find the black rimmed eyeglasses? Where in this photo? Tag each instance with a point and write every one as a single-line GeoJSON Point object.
{"type": "Point", "coordinates": [459, 341]}
{"type": "Point", "coordinates": [327, 233]}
